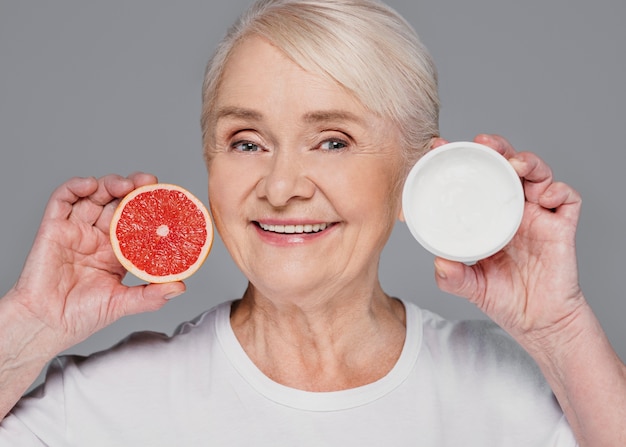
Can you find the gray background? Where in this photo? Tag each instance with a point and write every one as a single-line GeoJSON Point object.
{"type": "Point", "coordinates": [94, 87]}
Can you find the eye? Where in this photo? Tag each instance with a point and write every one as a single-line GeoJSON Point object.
{"type": "Point", "coordinates": [245, 146]}
{"type": "Point", "coordinates": [333, 145]}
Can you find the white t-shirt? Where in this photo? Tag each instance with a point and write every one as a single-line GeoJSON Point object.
{"type": "Point", "coordinates": [455, 384]}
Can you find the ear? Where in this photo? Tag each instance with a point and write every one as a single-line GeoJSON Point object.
{"type": "Point", "coordinates": [436, 142]}
{"type": "Point", "coordinates": [401, 215]}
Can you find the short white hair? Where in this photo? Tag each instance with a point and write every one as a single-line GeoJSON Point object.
{"type": "Point", "coordinates": [364, 45]}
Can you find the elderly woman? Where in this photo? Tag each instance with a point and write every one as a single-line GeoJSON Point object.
{"type": "Point", "coordinates": [314, 111]}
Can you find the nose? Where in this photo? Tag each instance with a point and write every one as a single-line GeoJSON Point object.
{"type": "Point", "coordinates": [285, 180]}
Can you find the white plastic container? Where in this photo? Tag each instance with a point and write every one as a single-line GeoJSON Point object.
{"type": "Point", "coordinates": [463, 201]}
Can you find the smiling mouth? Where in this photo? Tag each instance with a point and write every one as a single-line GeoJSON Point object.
{"type": "Point", "coordinates": [295, 229]}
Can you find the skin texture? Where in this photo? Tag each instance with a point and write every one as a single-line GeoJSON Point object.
{"type": "Point", "coordinates": [531, 289]}
{"type": "Point", "coordinates": [55, 303]}
{"type": "Point", "coordinates": [293, 149]}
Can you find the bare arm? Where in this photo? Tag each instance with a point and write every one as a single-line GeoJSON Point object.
{"type": "Point", "coordinates": [71, 284]}
{"type": "Point", "coordinates": [22, 354]}
{"type": "Point", "coordinates": [588, 379]}
{"type": "Point", "coordinates": [531, 289]}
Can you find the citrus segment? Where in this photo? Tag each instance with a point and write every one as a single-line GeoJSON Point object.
{"type": "Point", "coordinates": [161, 233]}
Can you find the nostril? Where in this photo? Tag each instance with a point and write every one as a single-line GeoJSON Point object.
{"type": "Point", "coordinates": [283, 183]}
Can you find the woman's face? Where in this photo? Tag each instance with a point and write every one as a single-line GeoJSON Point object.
{"type": "Point", "coordinates": [304, 182]}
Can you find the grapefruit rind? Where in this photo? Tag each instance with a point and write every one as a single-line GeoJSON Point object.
{"type": "Point", "coordinates": [142, 274]}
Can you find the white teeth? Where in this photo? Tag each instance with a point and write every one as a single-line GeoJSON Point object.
{"type": "Point", "coordinates": [297, 229]}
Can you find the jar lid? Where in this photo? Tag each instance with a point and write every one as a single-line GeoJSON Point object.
{"type": "Point", "coordinates": [463, 201]}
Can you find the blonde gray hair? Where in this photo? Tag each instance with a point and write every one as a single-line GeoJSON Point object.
{"type": "Point", "coordinates": [364, 45]}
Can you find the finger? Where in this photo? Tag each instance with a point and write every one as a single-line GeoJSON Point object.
{"type": "Point", "coordinates": [456, 278]}
{"type": "Point", "coordinates": [142, 178]}
{"type": "Point", "coordinates": [104, 220]}
{"type": "Point", "coordinates": [110, 187]}
{"type": "Point", "coordinates": [436, 142]}
{"type": "Point", "coordinates": [117, 187]}
{"type": "Point", "coordinates": [536, 174]}
{"type": "Point", "coordinates": [497, 142]}
{"type": "Point", "coordinates": [563, 199]}
{"type": "Point", "coordinates": [66, 195]}
{"type": "Point", "coordinates": [119, 190]}
{"type": "Point", "coordinates": [531, 167]}
{"type": "Point", "coordinates": [146, 298]}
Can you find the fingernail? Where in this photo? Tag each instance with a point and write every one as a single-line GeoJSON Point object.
{"type": "Point", "coordinates": [169, 296]}
{"type": "Point", "coordinates": [516, 163]}
{"type": "Point", "coordinates": [439, 271]}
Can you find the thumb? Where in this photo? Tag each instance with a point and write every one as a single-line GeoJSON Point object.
{"type": "Point", "coordinates": [151, 297]}
{"type": "Point", "coordinates": [455, 277]}
{"type": "Point", "coordinates": [165, 291]}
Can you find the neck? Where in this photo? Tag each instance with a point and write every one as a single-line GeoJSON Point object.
{"type": "Point", "coordinates": [321, 344]}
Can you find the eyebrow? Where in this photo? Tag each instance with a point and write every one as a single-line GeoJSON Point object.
{"type": "Point", "coordinates": [325, 116]}
{"type": "Point", "coordinates": [320, 116]}
{"type": "Point", "coordinates": [238, 112]}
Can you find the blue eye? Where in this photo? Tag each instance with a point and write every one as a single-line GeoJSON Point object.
{"type": "Point", "coordinates": [246, 146]}
{"type": "Point", "coordinates": [333, 145]}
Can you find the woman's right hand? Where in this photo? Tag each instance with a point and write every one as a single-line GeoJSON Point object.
{"type": "Point", "coordinates": [72, 282]}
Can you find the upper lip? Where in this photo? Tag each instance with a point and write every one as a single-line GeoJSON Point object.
{"type": "Point", "coordinates": [292, 221]}
{"type": "Point", "coordinates": [293, 226]}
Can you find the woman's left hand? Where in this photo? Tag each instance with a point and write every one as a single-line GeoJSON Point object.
{"type": "Point", "coordinates": [530, 288]}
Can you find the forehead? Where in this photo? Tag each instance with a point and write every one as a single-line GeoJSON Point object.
{"type": "Point", "coordinates": [259, 75]}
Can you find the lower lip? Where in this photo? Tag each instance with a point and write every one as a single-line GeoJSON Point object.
{"type": "Point", "coordinates": [290, 239]}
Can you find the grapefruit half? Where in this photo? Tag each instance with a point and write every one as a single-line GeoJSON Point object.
{"type": "Point", "coordinates": [161, 233]}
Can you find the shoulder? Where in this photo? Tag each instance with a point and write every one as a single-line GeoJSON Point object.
{"type": "Point", "coordinates": [153, 351]}
{"type": "Point", "coordinates": [476, 344]}
{"type": "Point", "coordinates": [479, 372]}
{"type": "Point", "coordinates": [146, 380]}
{"type": "Point", "coordinates": [149, 361]}
{"type": "Point", "coordinates": [477, 360]}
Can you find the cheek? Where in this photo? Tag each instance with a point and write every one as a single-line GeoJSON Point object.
{"type": "Point", "coordinates": [223, 191]}
{"type": "Point", "coordinates": [382, 199]}
{"type": "Point", "coordinates": [367, 188]}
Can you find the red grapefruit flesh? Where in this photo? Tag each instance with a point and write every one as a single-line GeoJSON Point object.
{"type": "Point", "coordinates": [161, 233]}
